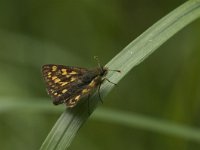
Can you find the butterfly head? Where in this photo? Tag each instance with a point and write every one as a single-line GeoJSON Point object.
{"type": "Point", "coordinates": [102, 70]}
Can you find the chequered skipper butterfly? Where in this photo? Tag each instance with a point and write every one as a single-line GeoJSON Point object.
{"type": "Point", "coordinates": [67, 84]}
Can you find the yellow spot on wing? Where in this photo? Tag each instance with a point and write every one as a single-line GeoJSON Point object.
{"type": "Point", "coordinates": [57, 80]}
{"type": "Point", "coordinates": [77, 97]}
{"type": "Point", "coordinates": [73, 79]}
{"type": "Point", "coordinates": [64, 91]}
{"type": "Point", "coordinates": [85, 91]}
{"type": "Point", "coordinates": [73, 72]}
{"type": "Point", "coordinates": [71, 102]}
{"type": "Point", "coordinates": [51, 91]}
{"type": "Point", "coordinates": [92, 83]}
{"type": "Point", "coordinates": [64, 71]}
{"type": "Point", "coordinates": [54, 68]}
{"type": "Point", "coordinates": [55, 94]}
{"type": "Point", "coordinates": [49, 73]}
{"type": "Point", "coordinates": [64, 83]}
{"type": "Point", "coordinates": [54, 77]}
{"type": "Point", "coordinates": [68, 76]}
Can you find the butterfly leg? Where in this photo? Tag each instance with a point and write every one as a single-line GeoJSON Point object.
{"type": "Point", "coordinates": [110, 81]}
{"type": "Point", "coordinates": [88, 104]}
{"type": "Point", "coordinates": [99, 87]}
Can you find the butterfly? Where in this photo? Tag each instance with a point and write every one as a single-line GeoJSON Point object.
{"type": "Point", "coordinates": [68, 84]}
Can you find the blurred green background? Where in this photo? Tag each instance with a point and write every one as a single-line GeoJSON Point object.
{"type": "Point", "coordinates": [165, 86]}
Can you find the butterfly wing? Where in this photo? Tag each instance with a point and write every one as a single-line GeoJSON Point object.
{"type": "Point", "coordinates": [63, 82]}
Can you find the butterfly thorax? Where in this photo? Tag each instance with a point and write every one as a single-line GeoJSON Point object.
{"type": "Point", "coordinates": [93, 74]}
{"type": "Point", "coordinates": [102, 71]}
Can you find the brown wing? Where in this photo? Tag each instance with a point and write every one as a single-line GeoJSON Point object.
{"type": "Point", "coordinates": [62, 81]}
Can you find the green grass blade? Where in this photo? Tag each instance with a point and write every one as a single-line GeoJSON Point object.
{"type": "Point", "coordinates": [70, 121]}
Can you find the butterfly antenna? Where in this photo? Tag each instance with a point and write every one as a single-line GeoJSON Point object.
{"type": "Point", "coordinates": [115, 70]}
{"type": "Point", "coordinates": [98, 62]}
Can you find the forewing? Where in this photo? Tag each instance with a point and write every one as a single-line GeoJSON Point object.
{"type": "Point", "coordinates": [61, 81]}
